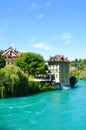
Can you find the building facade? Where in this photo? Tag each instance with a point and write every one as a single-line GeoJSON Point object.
{"type": "Point", "coordinates": [10, 55]}
{"type": "Point", "coordinates": [58, 67]}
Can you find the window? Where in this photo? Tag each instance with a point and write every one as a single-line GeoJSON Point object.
{"type": "Point", "coordinates": [56, 75]}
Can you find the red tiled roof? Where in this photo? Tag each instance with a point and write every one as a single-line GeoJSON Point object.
{"type": "Point", "coordinates": [58, 58]}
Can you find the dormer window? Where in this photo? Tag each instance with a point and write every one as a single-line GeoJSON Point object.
{"type": "Point", "coordinates": [10, 53]}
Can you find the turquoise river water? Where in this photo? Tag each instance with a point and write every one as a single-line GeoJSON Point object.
{"type": "Point", "coordinates": [55, 110]}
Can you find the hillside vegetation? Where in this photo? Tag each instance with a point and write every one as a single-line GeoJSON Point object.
{"type": "Point", "coordinates": [78, 68]}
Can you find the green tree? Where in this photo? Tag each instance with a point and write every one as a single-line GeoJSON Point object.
{"type": "Point", "coordinates": [13, 82]}
{"type": "Point", "coordinates": [2, 61]}
{"type": "Point", "coordinates": [32, 63]}
{"type": "Point", "coordinates": [80, 68]}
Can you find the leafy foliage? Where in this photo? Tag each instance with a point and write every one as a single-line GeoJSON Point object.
{"type": "Point", "coordinates": [79, 70]}
{"type": "Point", "coordinates": [35, 87]}
{"type": "Point", "coordinates": [2, 61]}
{"type": "Point", "coordinates": [32, 63]}
{"type": "Point", "coordinates": [46, 87]}
{"type": "Point", "coordinates": [13, 82]}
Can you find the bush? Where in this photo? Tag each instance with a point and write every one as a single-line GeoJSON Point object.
{"type": "Point", "coordinates": [33, 87]}
{"type": "Point", "coordinates": [46, 87]}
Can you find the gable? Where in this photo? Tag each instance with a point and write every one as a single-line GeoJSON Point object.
{"type": "Point", "coordinates": [11, 53]}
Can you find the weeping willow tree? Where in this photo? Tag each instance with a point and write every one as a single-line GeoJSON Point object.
{"type": "Point", "coordinates": [13, 82]}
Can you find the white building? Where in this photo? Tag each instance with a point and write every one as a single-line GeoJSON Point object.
{"type": "Point", "coordinates": [58, 66]}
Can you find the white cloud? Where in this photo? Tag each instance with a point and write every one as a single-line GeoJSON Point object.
{"type": "Point", "coordinates": [34, 5]}
{"type": "Point", "coordinates": [9, 9]}
{"type": "Point", "coordinates": [48, 4]}
{"type": "Point", "coordinates": [66, 36]}
{"type": "Point", "coordinates": [43, 46]}
{"type": "Point", "coordinates": [40, 16]}
{"type": "Point", "coordinates": [70, 42]}
{"type": "Point", "coordinates": [39, 45]}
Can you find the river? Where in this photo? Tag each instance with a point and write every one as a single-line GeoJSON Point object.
{"type": "Point", "coordinates": [54, 110]}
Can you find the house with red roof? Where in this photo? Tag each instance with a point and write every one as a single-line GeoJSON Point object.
{"type": "Point", "coordinates": [58, 67]}
{"type": "Point", "coordinates": [10, 55]}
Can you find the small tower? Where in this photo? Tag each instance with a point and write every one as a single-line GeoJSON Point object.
{"type": "Point", "coordinates": [59, 68]}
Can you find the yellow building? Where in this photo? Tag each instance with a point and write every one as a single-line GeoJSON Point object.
{"type": "Point", "coordinates": [10, 55]}
{"type": "Point", "coordinates": [58, 67]}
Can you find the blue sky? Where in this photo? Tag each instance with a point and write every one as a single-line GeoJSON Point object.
{"type": "Point", "coordinates": [48, 27]}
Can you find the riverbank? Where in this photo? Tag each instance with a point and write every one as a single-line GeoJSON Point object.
{"type": "Point", "coordinates": [15, 83]}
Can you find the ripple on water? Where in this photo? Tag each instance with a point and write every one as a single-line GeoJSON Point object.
{"type": "Point", "coordinates": [56, 110]}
